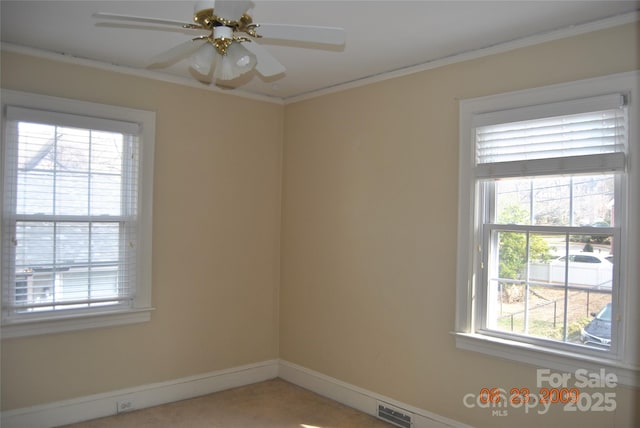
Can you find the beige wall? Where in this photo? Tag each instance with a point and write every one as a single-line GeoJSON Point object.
{"type": "Point", "coordinates": [369, 231]}
{"type": "Point", "coordinates": [216, 232]}
{"type": "Point", "coordinates": [368, 236]}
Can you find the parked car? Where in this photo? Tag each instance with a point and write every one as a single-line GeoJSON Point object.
{"type": "Point", "coordinates": [598, 331]}
{"type": "Point", "coordinates": [586, 257]}
{"type": "Point", "coordinates": [585, 268]}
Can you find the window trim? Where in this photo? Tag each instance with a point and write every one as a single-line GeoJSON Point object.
{"type": "Point", "coordinates": [466, 332]}
{"type": "Point", "coordinates": [141, 307]}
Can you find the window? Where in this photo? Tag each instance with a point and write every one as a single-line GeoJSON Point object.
{"type": "Point", "coordinates": [76, 214]}
{"type": "Point", "coordinates": [549, 203]}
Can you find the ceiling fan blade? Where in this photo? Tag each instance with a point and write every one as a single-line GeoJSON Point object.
{"type": "Point", "coordinates": [266, 63]}
{"type": "Point", "coordinates": [230, 9]}
{"type": "Point", "coordinates": [146, 20]}
{"type": "Point", "coordinates": [303, 33]}
{"type": "Point", "coordinates": [176, 53]}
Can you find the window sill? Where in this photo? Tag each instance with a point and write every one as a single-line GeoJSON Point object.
{"type": "Point", "coordinates": [543, 357]}
{"type": "Point", "coordinates": [74, 323]}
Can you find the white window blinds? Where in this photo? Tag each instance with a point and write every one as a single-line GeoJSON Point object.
{"type": "Point", "coordinates": [585, 136]}
{"type": "Point", "coordinates": [70, 212]}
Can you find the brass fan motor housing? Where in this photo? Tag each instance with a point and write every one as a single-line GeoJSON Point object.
{"type": "Point", "coordinates": [206, 18]}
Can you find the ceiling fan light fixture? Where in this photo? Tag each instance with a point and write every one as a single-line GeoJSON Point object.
{"type": "Point", "coordinates": [237, 61]}
{"type": "Point", "coordinates": [229, 26]}
{"type": "Point", "coordinates": [203, 59]}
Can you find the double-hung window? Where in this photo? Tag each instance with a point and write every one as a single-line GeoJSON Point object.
{"type": "Point", "coordinates": [76, 217]}
{"type": "Point", "coordinates": [548, 225]}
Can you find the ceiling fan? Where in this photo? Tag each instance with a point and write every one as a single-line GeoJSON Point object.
{"type": "Point", "coordinates": [229, 45]}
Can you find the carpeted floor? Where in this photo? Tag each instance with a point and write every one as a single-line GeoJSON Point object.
{"type": "Point", "coordinates": [270, 404]}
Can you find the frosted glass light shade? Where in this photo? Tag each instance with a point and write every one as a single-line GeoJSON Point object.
{"type": "Point", "coordinates": [204, 4]}
{"type": "Point", "coordinates": [203, 59]}
{"type": "Point", "coordinates": [235, 63]}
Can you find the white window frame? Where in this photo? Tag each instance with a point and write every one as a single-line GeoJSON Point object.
{"type": "Point", "coordinates": [141, 307]}
{"type": "Point", "coordinates": [468, 335]}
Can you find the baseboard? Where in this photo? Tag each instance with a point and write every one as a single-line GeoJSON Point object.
{"type": "Point", "coordinates": [359, 398]}
{"type": "Point", "coordinates": [105, 404]}
{"type": "Point", "coordinates": [100, 405]}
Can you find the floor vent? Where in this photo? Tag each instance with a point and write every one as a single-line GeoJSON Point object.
{"type": "Point", "coordinates": [394, 415]}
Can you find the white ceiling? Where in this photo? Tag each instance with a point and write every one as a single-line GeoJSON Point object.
{"type": "Point", "coordinates": [381, 36]}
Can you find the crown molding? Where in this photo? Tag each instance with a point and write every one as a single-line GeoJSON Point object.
{"type": "Point", "coordinates": [144, 73]}
{"type": "Point", "coordinates": [537, 39]}
{"type": "Point", "coordinates": [575, 30]}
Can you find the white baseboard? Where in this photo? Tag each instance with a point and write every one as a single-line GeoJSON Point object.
{"type": "Point", "coordinates": [359, 398]}
{"type": "Point", "coordinates": [105, 404]}
{"type": "Point", "coordinates": [100, 405]}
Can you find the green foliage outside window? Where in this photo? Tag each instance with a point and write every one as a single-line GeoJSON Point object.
{"type": "Point", "coordinates": [513, 254]}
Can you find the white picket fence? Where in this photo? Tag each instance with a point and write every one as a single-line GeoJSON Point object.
{"type": "Point", "coordinates": [597, 275]}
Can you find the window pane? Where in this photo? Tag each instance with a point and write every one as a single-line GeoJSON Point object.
{"type": "Point", "coordinates": [593, 200]}
{"type": "Point", "coordinates": [34, 245]}
{"type": "Point", "coordinates": [36, 146]}
{"type": "Point", "coordinates": [72, 244]}
{"type": "Point", "coordinates": [588, 263]}
{"type": "Point", "coordinates": [72, 150]}
{"type": "Point", "coordinates": [105, 242]}
{"type": "Point", "coordinates": [66, 261]}
{"type": "Point", "coordinates": [552, 201]}
{"type": "Point", "coordinates": [107, 168]}
{"type": "Point", "coordinates": [513, 201]}
{"type": "Point", "coordinates": [596, 327]}
{"type": "Point", "coordinates": [506, 307]}
{"type": "Point", "coordinates": [34, 251]}
{"type": "Point", "coordinates": [518, 304]}
{"type": "Point", "coordinates": [72, 197]}
{"type": "Point", "coordinates": [556, 201]}
{"type": "Point", "coordinates": [104, 282]}
{"type": "Point", "coordinates": [547, 285]}
{"type": "Point", "coordinates": [68, 171]}
{"type": "Point", "coordinates": [507, 270]}
{"type": "Point", "coordinates": [106, 152]}
{"type": "Point", "coordinates": [35, 192]}
{"type": "Point", "coordinates": [105, 194]}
